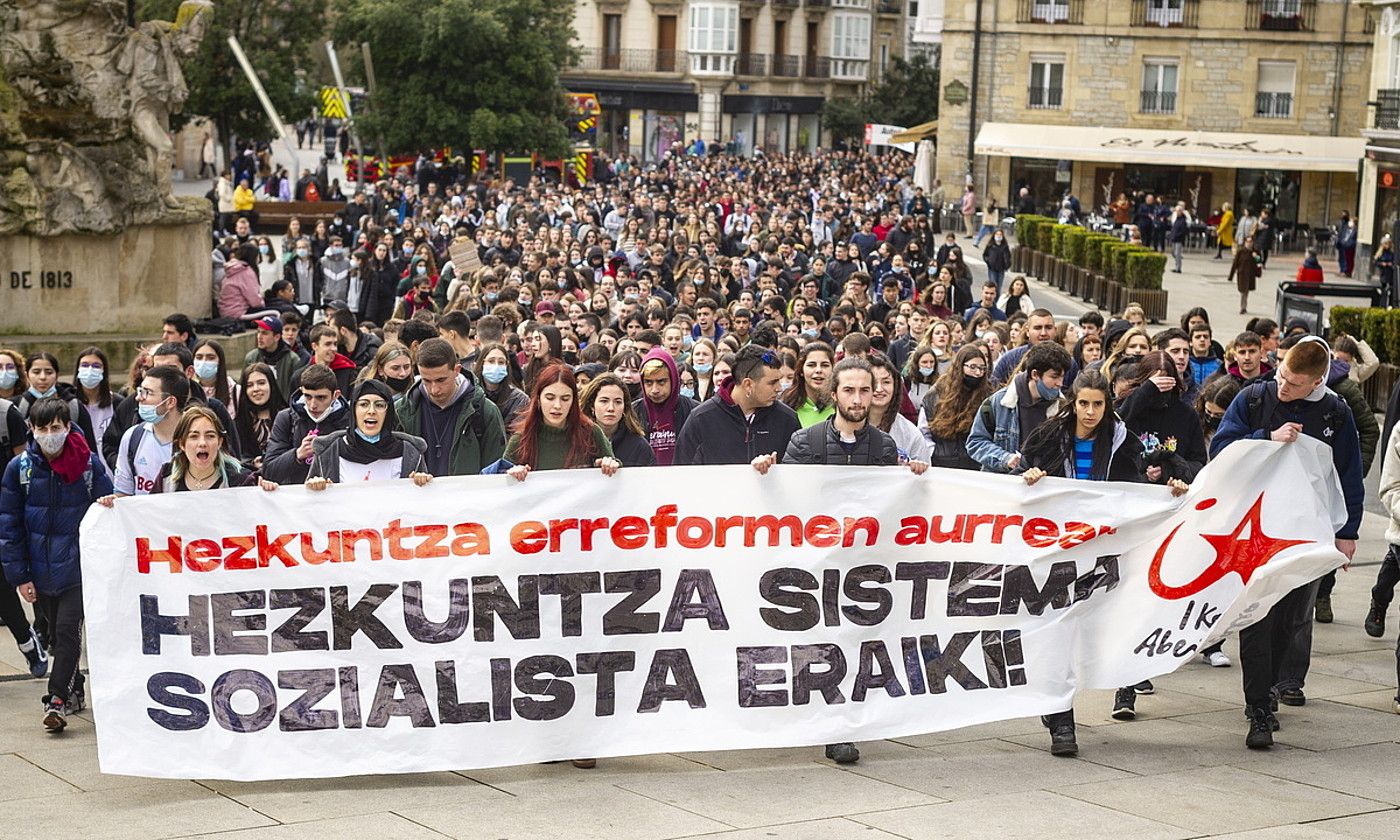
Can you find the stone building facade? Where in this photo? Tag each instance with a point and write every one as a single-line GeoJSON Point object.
{"type": "Point", "coordinates": [747, 71]}
{"type": "Point", "coordinates": [1234, 76]}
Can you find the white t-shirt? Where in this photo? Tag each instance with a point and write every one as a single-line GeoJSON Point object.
{"type": "Point", "coordinates": [151, 455]}
{"type": "Point", "coordinates": [378, 471]}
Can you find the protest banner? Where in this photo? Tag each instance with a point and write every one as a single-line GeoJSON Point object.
{"type": "Point", "coordinates": [480, 621]}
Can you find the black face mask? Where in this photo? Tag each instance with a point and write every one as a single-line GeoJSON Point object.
{"type": "Point", "coordinates": [971, 382]}
{"type": "Point", "coordinates": [1211, 423]}
{"type": "Point", "coordinates": [1130, 359]}
{"type": "Point", "coordinates": [398, 383]}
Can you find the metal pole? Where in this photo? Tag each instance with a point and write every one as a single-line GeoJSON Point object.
{"type": "Point", "coordinates": [373, 91]}
{"type": "Point", "coordinates": [271, 112]}
{"type": "Point", "coordinates": [349, 111]}
{"type": "Point", "coordinates": [972, 110]}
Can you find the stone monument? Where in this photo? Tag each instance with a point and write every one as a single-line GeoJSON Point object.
{"type": "Point", "coordinates": [91, 239]}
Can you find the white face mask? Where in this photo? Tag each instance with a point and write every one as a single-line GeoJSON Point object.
{"type": "Point", "coordinates": [51, 443]}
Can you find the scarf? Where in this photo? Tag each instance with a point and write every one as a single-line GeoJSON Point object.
{"type": "Point", "coordinates": [72, 462]}
{"type": "Point", "coordinates": [356, 449]}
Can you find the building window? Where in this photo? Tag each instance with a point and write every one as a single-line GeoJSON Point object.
{"type": "Point", "coordinates": [851, 4]}
{"type": "Point", "coordinates": [1050, 11]}
{"type": "Point", "coordinates": [612, 42]}
{"type": "Point", "coordinates": [850, 45]}
{"type": "Point", "coordinates": [1274, 98]}
{"type": "Point", "coordinates": [1159, 86]}
{"type": "Point", "coordinates": [714, 38]}
{"type": "Point", "coordinates": [1047, 81]}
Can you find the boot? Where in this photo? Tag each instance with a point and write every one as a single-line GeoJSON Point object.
{"type": "Point", "coordinates": [1322, 610]}
{"type": "Point", "coordinates": [1062, 737]}
{"type": "Point", "coordinates": [843, 753]}
{"type": "Point", "coordinates": [1375, 621]}
{"type": "Point", "coordinates": [1260, 736]}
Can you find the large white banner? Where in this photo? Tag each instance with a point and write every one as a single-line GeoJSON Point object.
{"type": "Point", "coordinates": [480, 622]}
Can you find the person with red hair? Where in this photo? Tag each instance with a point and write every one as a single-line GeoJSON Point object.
{"type": "Point", "coordinates": [553, 433]}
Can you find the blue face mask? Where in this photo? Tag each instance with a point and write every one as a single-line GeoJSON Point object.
{"type": "Point", "coordinates": [422, 270]}
{"type": "Point", "coordinates": [205, 369]}
{"type": "Point", "coordinates": [687, 391]}
{"type": "Point", "coordinates": [704, 369]}
{"type": "Point", "coordinates": [149, 414]}
{"type": "Point", "coordinates": [303, 253]}
{"type": "Point", "coordinates": [809, 333]}
{"type": "Point", "coordinates": [368, 438]}
{"type": "Point", "coordinates": [8, 378]}
{"type": "Point", "coordinates": [495, 374]}
{"type": "Point", "coordinates": [90, 377]}
{"type": "Point", "coordinates": [264, 250]}
{"type": "Point", "coordinates": [927, 371]}
{"type": "Point", "coordinates": [1046, 392]}
{"type": "Point", "coordinates": [40, 395]}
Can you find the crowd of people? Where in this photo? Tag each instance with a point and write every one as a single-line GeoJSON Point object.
{"type": "Point", "coordinates": [711, 310]}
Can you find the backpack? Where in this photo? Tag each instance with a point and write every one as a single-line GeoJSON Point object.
{"type": "Point", "coordinates": [1261, 402]}
{"type": "Point", "coordinates": [138, 432]}
{"type": "Point", "coordinates": [26, 472]}
{"type": "Point", "coordinates": [5, 406]}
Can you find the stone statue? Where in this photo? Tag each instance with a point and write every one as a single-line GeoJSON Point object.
{"type": "Point", "coordinates": [85, 105]}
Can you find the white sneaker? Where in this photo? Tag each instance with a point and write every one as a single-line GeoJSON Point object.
{"type": "Point", "coordinates": [1217, 659]}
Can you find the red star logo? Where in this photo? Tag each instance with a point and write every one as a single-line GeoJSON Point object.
{"type": "Point", "coordinates": [1233, 553]}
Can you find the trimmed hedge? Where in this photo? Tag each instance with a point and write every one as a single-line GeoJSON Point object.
{"type": "Point", "coordinates": [1144, 269]}
{"type": "Point", "coordinates": [1379, 328]}
{"type": "Point", "coordinates": [1074, 240]}
{"type": "Point", "coordinates": [1100, 253]}
{"type": "Point", "coordinates": [1026, 228]}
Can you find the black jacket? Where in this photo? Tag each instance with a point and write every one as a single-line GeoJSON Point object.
{"type": "Point", "coordinates": [1181, 444]}
{"type": "Point", "coordinates": [380, 292]}
{"type": "Point", "coordinates": [632, 449]}
{"type": "Point", "coordinates": [997, 256]}
{"type": "Point", "coordinates": [280, 462]}
{"type": "Point", "coordinates": [821, 444]}
{"type": "Point", "coordinates": [1049, 448]}
{"type": "Point", "coordinates": [717, 432]}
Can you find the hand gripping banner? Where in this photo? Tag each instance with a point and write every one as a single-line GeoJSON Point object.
{"type": "Point", "coordinates": [480, 622]}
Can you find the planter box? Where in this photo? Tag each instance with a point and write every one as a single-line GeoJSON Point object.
{"type": "Point", "coordinates": [1109, 295]}
{"type": "Point", "coordinates": [1091, 284]}
{"type": "Point", "coordinates": [1020, 258]}
{"type": "Point", "coordinates": [1037, 265]}
{"type": "Point", "coordinates": [1154, 302]}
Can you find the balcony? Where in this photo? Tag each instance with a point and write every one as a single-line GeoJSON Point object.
{"type": "Point", "coordinates": [1045, 97]}
{"type": "Point", "coordinates": [713, 64]}
{"type": "Point", "coordinates": [787, 66]}
{"type": "Point", "coordinates": [889, 7]}
{"type": "Point", "coordinates": [791, 4]}
{"type": "Point", "coordinates": [1280, 15]}
{"type": "Point", "coordinates": [1387, 110]}
{"type": "Point", "coordinates": [817, 67]}
{"type": "Point", "coordinates": [629, 61]}
{"type": "Point", "coordinates": [1050, 11]}
{"type": "Point", "coordinates": [1158, 102]}
{"type": "Point", "coordinates": [818, 5]}
{"type": "Point", "coordinates": [1167, 14]}
{"type": "Point", "coordinates": [849, 68]}
{"type": "Point", "coordinates": [1273, 105]}
{"type": "Point", "coordinates": [752, 64]}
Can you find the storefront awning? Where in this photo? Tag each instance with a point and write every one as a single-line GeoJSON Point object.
{"type": "Point", "coordinates": [922, 131]}
{"type": "Point", "coordinates": [1227, 150]}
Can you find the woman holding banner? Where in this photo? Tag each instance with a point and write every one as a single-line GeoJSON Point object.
{"type": "Point", "coordinates": [373, 449]}
{"type": "Point", "coordinates": [202, 460]}
{"type": "Point", "coordinates": [1086, 441]}
{"type": "Point", "coordinates": [605, 402]}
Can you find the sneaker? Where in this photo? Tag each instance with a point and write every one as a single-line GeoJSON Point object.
{"type": "Point", "coordinates": [1322, 610]}
{"type": "Point", "coordinates": [1292, 697]}
{"type": "Point", "coordinates": [1217, 659]}
{"type": "Point", "coordinates": [1260, 736]}
{"type": "Point", "coordinates": [77, 701]}
{"type": "Point", "coordinates": [1375, 621]}
{"type": "Point", "coordinates": [1145, 687]}
{"type": "Point", "coordinates": [55, 714]}
{"type": "Point", "coordinates": [843, 753]}
{"type": "Point", "coordinates": [35, 655]}
{"type": "Point", "coordinates": [585, 763]}
{"type": "Point", "coordinates": [1123, 704]}
{"type": "Point", "coordinates": [1062, 740]}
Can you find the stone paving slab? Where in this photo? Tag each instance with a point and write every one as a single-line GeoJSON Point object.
{"type": "Point", "coordinates": [1040, 814]}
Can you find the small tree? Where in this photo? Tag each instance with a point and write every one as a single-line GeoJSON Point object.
{"type": "Point", "coordinates": [908, 94]}
{"type": "Point", "coordinates": [845, 118]}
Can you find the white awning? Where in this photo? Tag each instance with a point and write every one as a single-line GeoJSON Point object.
{"type": "Point", "coordinates": [1226, 150]}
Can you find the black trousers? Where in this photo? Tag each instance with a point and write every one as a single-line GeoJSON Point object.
{"type": "Point", "coordinates": [1266, 644]}
{"type": "Point", "coordinates": [65, 614]}
{"type": "Point", "coordinates": [1058, 718]}
{"type": "Point", "coordinates": [1326, 584]}
{"type": "Point", "coordinates": [12, 613]}
{"type": "Point", "coordinates": [1386, 579]}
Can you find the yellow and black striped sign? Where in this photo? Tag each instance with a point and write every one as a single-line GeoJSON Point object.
{"type": "Point", "coordinates": [332, 105]}
{"type": "Point", "coordinates": [581, 168]}
{"type": "Point", "coordinates": [587, 124]}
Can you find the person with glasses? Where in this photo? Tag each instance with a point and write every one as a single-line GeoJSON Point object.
{"type": "Point", "coordinates": [95, 389]}
{"type": "Point", "coordinates": [145, 448]}
{"type": "Point", "coordinates": [951, 405]}
{"type": "Point", "coordinates": [372, 449]}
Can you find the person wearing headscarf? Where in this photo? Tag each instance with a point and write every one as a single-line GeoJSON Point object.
{"type": "Point", "coordinates": [373, 448]}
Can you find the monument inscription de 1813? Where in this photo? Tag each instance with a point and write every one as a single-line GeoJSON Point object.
{"type": "Point", "coordinates": [91, 239]}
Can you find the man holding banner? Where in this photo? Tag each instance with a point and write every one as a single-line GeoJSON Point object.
{"type": "Point", "coordinates": [1296, 403]}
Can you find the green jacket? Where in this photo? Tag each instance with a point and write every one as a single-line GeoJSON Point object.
{"type": "Point", "coordinates": [479, 435]}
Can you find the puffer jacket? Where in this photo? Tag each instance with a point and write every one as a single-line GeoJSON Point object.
{"type": "Point", "coordinates": [821, 444]}
{"type": "Point", "coordinates": [39, 526]}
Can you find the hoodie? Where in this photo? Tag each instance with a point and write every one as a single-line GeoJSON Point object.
{"type": "Point", "coordinates": [1367, 429]}
{"type": "Point", "coordinates": [662, 422]}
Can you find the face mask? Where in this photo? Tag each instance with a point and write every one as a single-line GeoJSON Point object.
{"type": "Point", "coordinates": [205, 369]}
{"type": "Point", "coordinates": [1046, 392]}
{"type": "Point", "coordinates": [704, 369]}
{"type": "Point", "coordinates": [1132, 359]}
{"type": "Point", "coordinates": [149, 414]}
{"type": "Point", "coordinates": [783, 385]}
{"type": "Point", "coordinates": [354, 263]}
{"type": "Point", "coordinates": [526, 302]}
{"type": "Point", "coordinates": [927, 371]}
{"type": "Point", "coordinates": [264, 250]}
{"type": "Point", "coordinates": [687, 341]}
{"type": "Point", "coordinates": [303, 253]}
{"type": "Point", "coordinates": [337, 220]}
{"type": "Point", "coordinates": [1212, 423]}
{"type": "Point", "coordinates": [335, 252]}
{"type": "Point", "coordinates": [422, 271]}
{"type": "Point", "coordinates": [495, 374]}
{"type": "Point", "coordinates": [687, 391]}
{"type": "Point", "coordinates": [490, 297]}
{"type": "Point", "coordinates": [408, 252]}
{"type": "Point", "coordinates": [368, 438]}
{"type": "Point", "coordinates": [51, 443]}
{"type": "Point", "coordinates": [399, 383]}
{"type": "Point", "coordinates": [90, 377]}
{"type": "Point", "coordinates": [39, 396]}
{"type": "Point", "coordinates": [971, 382]}
{"type": "Point", "coordinates": [8, 378]}
{"type": "Point", "coordinates": [809, 333]}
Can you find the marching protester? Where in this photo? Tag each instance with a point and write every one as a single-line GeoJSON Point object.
{"type": "Point", "coordinates": [745, 422]}
{"type": "Point", "coordinates": [317, 409]}
{"type": "Point", "coordinates": [372, 448]}
{"type": "Point", "coordinates": [662, 408]}
{"type": "Point", "coordinates": [810, 394]}
{"type": "Point", "coordinates": [1084, 440]}
{"type": "Point", "coordinates": [605, 402]}
{"type": "Point", "coordinates": [257, 412]}
{"type": "Point", "coordinates": [47, 490]}
{"type": "Point", "coordinates": [1008, 416]}
{"type": "Point", "coordinates": [145, 448]}
{"type": "Point", "coordinates": [202, 460]}
{"type": "Point", "coordinates": [1295, 403]}
{"type": "Point", "coordinates": [450, 412]}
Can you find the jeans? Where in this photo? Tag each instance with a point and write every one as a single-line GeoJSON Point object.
{"type": "Point", "coordinates": [1266, 645]}
{"type": "Point", "coordinates": [987, 230]}
{"type": "Point", "coordinates": [1389, 575]}
{"type": "Point", "coordinates": [996, 277]}
{"type": "Point", "coordinates": [1176, 254]}
{"type": "Point", "coordinates": [65, 614]}
{"type": "Point", "coordinates": [12, 614]}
